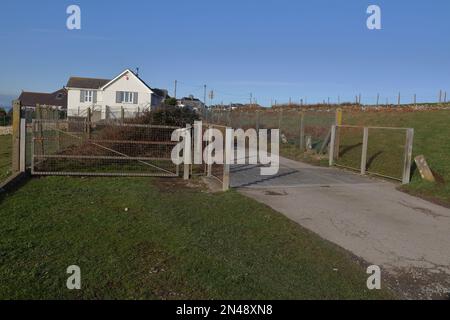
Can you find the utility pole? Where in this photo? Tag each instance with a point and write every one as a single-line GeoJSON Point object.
{"type": "Point", "coordinates": [399, 97]}
{"type": "Point", "coordinates": [251, 99]}
{"type": "Point", "coordinates": [440, 96]}
{"type": "Point", "coordinates": [175, 90]}
{"type": "Point", "coordinates": [204, 103]}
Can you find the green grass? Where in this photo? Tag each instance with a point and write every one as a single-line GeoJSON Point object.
{"type": "Point", "coordinates": [174, 242]}
{"type": "Point", "coordinates": [431, 138]}
{"type": "Point", "coordinates": [5, 156]}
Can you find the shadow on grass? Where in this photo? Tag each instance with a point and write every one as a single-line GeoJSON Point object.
{"type": "Point", "coordinates": [349, 148]}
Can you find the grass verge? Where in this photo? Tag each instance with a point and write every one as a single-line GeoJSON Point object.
{"type": "Point", "coordinates": [173, 242]}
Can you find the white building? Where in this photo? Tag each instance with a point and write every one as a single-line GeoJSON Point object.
{"type": "Point", "coordinates": [106, 98]}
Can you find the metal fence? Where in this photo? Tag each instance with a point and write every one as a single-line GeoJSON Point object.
{"type": "Point", "coordinates": [101, 149]}
{"type": "Point", "coordinates": [220, 171]}
{"type": "Point", "coordinates": [302, 129]}
{"type": "Point", "coordinates": [381, 151]}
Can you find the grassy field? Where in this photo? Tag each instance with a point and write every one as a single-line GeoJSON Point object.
{"type": "Point", "coordinates": [174, 242]}
{"type": "Point", "coordinates": [5, 156]}
{"type": "Point", "coordinates": [431, 138]}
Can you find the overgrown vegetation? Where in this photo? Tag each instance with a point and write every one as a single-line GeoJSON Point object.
{"type": "Point", "coordinates": [169, 116]}
{"type": "Point", "coordinates": [141, 238]}
{"type": "Point", "coordinates": [5, 156]}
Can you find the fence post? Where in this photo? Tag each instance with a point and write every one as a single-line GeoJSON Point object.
{"type": "Point", "coordinates": [302, 131]}
{"type": "Point", "coordinates": [209, 167]}
{"type": "Point", "coordinates": [332, 140]}
{"type": "Point", "coordinates": [364, 151]}
{"type": "Point", "coordinates": [338, 122]}
{"type": "Point", "coordinates": [16, 136]}
{"type": "Point", "coordinates": [257, 122]}
{"type": "Point", "coordinates": [23, 138]}
{"type": "Point", "coordinates": [187, 152]}
{"type": "Point", "coordinates": [88, 123]}
{"type": "Point", "coordinates": [408, 156]}
{"type": "Point", "coordinates": [228, 158]}
{"type": "Point", "coordinates": [280, 120]}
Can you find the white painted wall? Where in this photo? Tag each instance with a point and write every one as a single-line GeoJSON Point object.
{"type": "Point", "coordinates": [127, 82]}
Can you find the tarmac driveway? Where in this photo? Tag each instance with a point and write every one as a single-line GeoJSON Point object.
{"type": "Point", "coordinates": [408, 237]}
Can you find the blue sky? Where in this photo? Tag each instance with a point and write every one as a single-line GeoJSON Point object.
{"type": "Point", "coordinates": [274, 49]}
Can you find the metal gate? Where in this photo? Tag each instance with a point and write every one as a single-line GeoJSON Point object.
{"type": "Point", "coordinates": [84, 148]}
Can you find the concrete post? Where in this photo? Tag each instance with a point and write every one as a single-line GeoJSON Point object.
{"type": "Point", "coordinates": [187, 152]}
{"type": "Point", "coordinates": [364, 151]}
{"type": "Point", "coordinates": [408, 156]}
{"type": "Point", "coordinates": [332, 140]}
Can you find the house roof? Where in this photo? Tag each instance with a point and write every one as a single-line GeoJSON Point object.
{"type": "Point", "coordinates": [86, 83]}
{"type": "Point", "coordinates": [160, 92]}
{"type": "Point", "coordinates": [93, 83]}
{"type": "Point", "coordinates": [57, 98]}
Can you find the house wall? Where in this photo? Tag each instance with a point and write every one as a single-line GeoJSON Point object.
{"type": "Point", "coordinates": [108, 98]}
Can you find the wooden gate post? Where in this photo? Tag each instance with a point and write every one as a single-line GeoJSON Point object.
{"type": "Point", "coordinates": [408, 156]}
{"type": "Point", "coordinates": [16, 137]}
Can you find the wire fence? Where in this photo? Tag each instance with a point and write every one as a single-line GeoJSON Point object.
{"type": "Point", "coordinates": [101, 149]}
{"type": "Point", "coordinates": [301, 129]}
{"type": "Point", "coordinates": [381, 151]}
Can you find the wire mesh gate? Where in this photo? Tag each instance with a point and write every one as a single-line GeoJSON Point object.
{"type": "Point", "coordinates": [101, 149]}
{"type": "Point", "coordinates": [380, 151]}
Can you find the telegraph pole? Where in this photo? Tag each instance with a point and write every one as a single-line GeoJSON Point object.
{"type": "Point", "coordinates": [175, 90]}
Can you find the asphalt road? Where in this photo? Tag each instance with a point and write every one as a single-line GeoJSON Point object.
{"type": "Point", "coordinates": [408, 237]}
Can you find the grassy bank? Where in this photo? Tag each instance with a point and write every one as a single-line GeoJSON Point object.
{"type": "Point", "coordinates": [173, 242]}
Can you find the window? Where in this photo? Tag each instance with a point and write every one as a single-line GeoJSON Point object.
{"type": "Point", "coordinates": [127, 97]}
{"type": "Point", "coordinates": [88, 96]}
